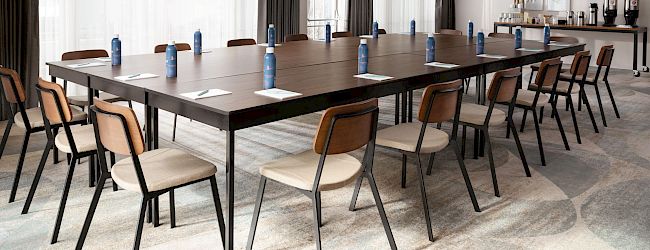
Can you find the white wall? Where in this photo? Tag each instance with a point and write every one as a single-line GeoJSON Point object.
{"type": "Point", "coordinates": [485, 12]}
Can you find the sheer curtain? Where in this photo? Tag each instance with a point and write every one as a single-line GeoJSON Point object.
{"type": "Point", "coordinates": [67, 25]}
{"type": "Point", "coordinates": [395, 16]}
{"type": "Point", "coordinates": [322, 11]}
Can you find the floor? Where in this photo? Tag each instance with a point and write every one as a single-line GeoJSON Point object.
{"type": "Point", "coordinates": [595, 196]}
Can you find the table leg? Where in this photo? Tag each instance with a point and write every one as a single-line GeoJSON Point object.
{"type": "Point", "coordinates": [496, 28]}
{"type": "Point", "coordinates": [155, 128]}
{"type": "Point", "coordinates": [635, 55]}
{"type": "Point", "coordinates": [410, 107]}
{"type": "Point", "coordinates": [230, 188]}
{"type": "Point", "coordinates": [404, 104]}
{"type": "Point", "coordinates": [645, 51]}
{"type": "Point", "coordinates": [397, 109]}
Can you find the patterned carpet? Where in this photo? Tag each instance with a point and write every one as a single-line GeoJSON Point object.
{"type": "Point", "coordinates": [595, 196]}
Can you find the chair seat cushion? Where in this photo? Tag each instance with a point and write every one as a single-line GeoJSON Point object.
{"type": "Point", "coordinates": [82, 100]}
{"type": "Point", "coordinates": [562, 88]}
{"type": "Point", "coordinates": [162, 169]}
{"type": "Point", "coordinates": [526, 98]}
{"type": "Point", "coordinates": [405, 137]}
{"type": "Point", "coordinates": [299, 170]}
{"type": "Point", "coordinates": [36, 118]}
{"type": "Point", "coordinates": [83, 136]}
{"type": "Point", "coordinates": [475, 114]}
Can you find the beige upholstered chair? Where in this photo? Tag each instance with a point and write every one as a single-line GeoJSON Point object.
{"type": "Point", "coordinates": [295, 37]}
{"type": "Point", "coordinates": [151, 173]}
{"type": "Point", "coordinates": [78, 141]}
{"type": "Point", "coordinates": [503, 89]}
{"type": "Point", "coordinates": [241, 42]}
{"type": "Point", "coordinates": [440, 103]}
{"type": "Point", "coordinates": [341, 34]}
{"type": "Point", "coordinates": [451, 32]}
{"type": "Point", "coordinates": [161, 48]}
{"type": "Point", "coordinates": [327, 167]}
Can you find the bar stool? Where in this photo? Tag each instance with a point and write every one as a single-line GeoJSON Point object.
{"type": "Point", "coordinates": [241, 42]}
{"type": "Point", "coordinates": [503, 89]}
{"type": "Point", "coordinates": [295, 37]}
{"type": "Point", "coordinates": [604, 60]}
{"type": "Point", "coordinates": [341, 34]}
{"type": "Point", "coordinates": [150, 173]}
{"type": "Point", "coordinates": [328, 167]}
{"type": "Point", "coordinates": [79, 141]}
{"type": "Point", "coordinates": [161, 48]}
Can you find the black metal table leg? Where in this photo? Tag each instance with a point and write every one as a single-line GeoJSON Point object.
{"type": "Point", "coordinates": [410, 106]}
{"type": "Point", "coordinates": [645, 51]}
{"type": "Point", "coordinates": [397, 109]}
{"type": "Point", "coordinates": [635, 55]}
{"type": "Point", "coordinates": [404, 104]}
{"type": "Point", "coordinates": [230, 188]}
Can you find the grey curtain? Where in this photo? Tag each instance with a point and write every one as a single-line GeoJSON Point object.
{"type": "Point", "coordinates": [285, 15]}
{"type": "Point", "coordinates": [19, 46]}
{"type": "Point", "coordinates": [447, 14]}
{"type": "Point", "coordinates": [360, 17]}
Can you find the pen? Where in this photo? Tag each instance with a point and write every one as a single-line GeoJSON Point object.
{"type": "Point", "coordinates": [203, 92]}
{"type": "Point", "coordinates": [132, 76]}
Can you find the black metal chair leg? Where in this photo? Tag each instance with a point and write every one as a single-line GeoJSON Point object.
{"type": "Point", "coordinates": [380, 208]}
{"type": "Point", "coordinates": [91, 211]}
{"type": "Point", "coordinates": [495, 185]}
{"type": "Point", "coordinates": [91, 171]}
{"type": "Point", "coordinates": [55, 153]}
{"type": "Point", "coordinates": [37, 176]}
{"type": "Point", "coordinates": [463, 170]}
{"type": "Point", "coordinates": [172, 210]}
{"type": "Point", "coordinates": [523, 121]}
{"type": "Point", "coordinates": [19, 168]}
{"type": "Point", "coordinates": [524, 162]}
{"type": "Point", "coordinates": [541, 114]}
{"type": "Point", "coordinates": [476, 141]}
{"type": "Point", "coordinates": [559, 126]}
{"type": "Point", "coordinates": [156, 212]}
{"type": "Point", "coordinates": [431, 158]}
{"type": "Point", "coordinates": [112, 158]}
{"type": "Point", "coordinates": [566, 102]}
{"type": "Point", "coordinates": [64, 199]}
{"type": "Point", "coordinates": [425, 203]}
{"type": "Point", "coordinates": [580, 98]}
{"type": "Point", "coordinates": [591, 113]}
{"type": "Point", "coordinates": [316, 220]}
{"type": "Point", "coordinates": [256, 213]}
{"type": "Point", "coordinates": [575, 120]}
{"type": "Point", "coordinates": [611, 97]}
{"type": "Point", "coordinates": [138, 229]}
{"type": "Point", "coordinates": [174, 128]}
{"type": "Point", "coordinates": [130, 104]}
{"type": "Point", "coordinates": [217, 208]}
{"type": "Point", "coordinates": [600, 104]}
{"type": "Point", "coordinates": [5, 137]}
{"type": "Point", "coordinates": [463, 140]}
{"type": "Point", "coordinates": [355, 194]}
{"type": "Point", "coordinates": [150, 211]}
{"type": "Point", "coordinates": [319, 208]}
{"type": "Point", "coordinates": [403, 170]}
{"type": "Point", "coordinates": [539, 138]}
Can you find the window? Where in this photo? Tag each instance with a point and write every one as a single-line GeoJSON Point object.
{"type": "Point", "coordinates": [395, 16]}
{"type": "Point", "coordinates": [323, 11]}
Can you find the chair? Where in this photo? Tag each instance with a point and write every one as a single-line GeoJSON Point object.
{"type": "Point", "coordinates": [440, 103]}
{"type": "Point", "coordinates": [501, 35]}
{"type": "Point", "coordinates": [566, 87]}
{"type": "Point", "coordinates": [604, 60]}
{"type": "Point", "coordinates": [328, 167]}
{"type": "Point", "coordinates": [562, 39]}
{"type": "Point", "coordinates": [150, 173]}
{"type": "Point", "coordinates": [31, 120]}
{"type": "Point", "coordinates": [503, 89]}
{"type": "Point", "coordinates": [241, 42]}
{"type": "Point", "coordinates": [451, 32]}
{"type": "Point", "coordinates": [341, 34]}
{"type": "Point", "coordinates": [382, 31]}
{"type": "Point", "coordinates": [82, 100]}
{"type": "Point", "coordinates": [295, 37]}
{"type": "Point", "coordinates": [161, 48]}
{"type": "Point", "coordinates": [79, 141]}
{"type": "Point", "coordinates": [529, 100]}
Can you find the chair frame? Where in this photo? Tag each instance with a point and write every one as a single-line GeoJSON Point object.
{"type": "Point", "coordinates": [314, 193]}
{"type": "Point", "coordinates": [595, 84]}
{"type": "Point", "coordinates": [147, 195]}
{"type": "Point", "coordinates": [295, 37]}
{"type": "Point", "coordinates": [241, 42]}
{"type": "Point", "coordinates": [342, 34]}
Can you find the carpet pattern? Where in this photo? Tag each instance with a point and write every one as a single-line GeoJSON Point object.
{"type": "Point", "coordinates": [595, 196]}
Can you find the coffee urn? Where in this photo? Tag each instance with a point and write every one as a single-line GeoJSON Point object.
{"type": "Point", "coordinates": [570, 18]}
{"type": "Point", "coordinates": [609, 12]}
{"type": "Point", "coordinates": [631, 12]}
{"type": "Point", "coordinates": [593, 14]}
{"type": "Point", "coordinates": [581, 18]}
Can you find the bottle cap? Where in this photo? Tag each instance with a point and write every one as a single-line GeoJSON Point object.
{"type": "Point", "coordinates": [199, 30]}
{"type": "Point", "coordinates": [270, 50]}
{"type": "Point", "coordinates": [172, 42]}
{"type": "Point", "coordinates": [470, 21]}
{"type": "Point", "coordinates": [480, 31]}
{"type": "Point", "coordinates": [271, 26]}
{"type": "Point", "coordinates": [364, 41]}
{"type": "Point", "coordinates": [116, 36]}
{"type": "Point", "coordinates": [430, 35]}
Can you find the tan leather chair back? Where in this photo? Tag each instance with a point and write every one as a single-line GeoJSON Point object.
{"type": "Point", "coordinates": [580, 63]}
{"type": "Point", "coordinates": [381, 31]}
{"type": "Point", "coordinates": [565, 39]}
{"type": "Point", "coordinates": [241, 42]}
{"type": "Point", "coordinates": [605, 56]}
{"type": "Point", "coordinates": [451, 32]}
{"type": "Point", "coordinates": [161, 48]}
{"type": "Point", "coordinates": [49, 102]}
{"type": "Point", "coordinates": [349, 133]}
{"type": "Point", "coordinates": [295, 37]}
{"type": "Point", "coordinates": [111, 130]}
{"type": "Point", "coordinates": [443, 107]}
{"type": "Point", "coordinates": [84, 54]}
{"type": "Point", "coordinates": [9, 77]}
{"type": "Point", "coordinates": [341, 34]}
{"type": "Point", "coordinates": [508, 85]}
{"type": "Point", "coordinates": [551, 67]}
{"type": "Point", "coordinates": [502, 35]}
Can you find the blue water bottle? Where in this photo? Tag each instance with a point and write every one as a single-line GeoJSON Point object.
{"type": "Point", "coordinates": [198, 41]}
{"type": "Point", "coordinates": [328, 32]}
{"type": "Point", "coordinates": [171, 60]}
{"type": "Point", "coordinates": [116, 50]}
{"type": "Point", "coordinates": [480, 44]}
{"type": "Point", "coordinates": [413, 27]}
{"type": "Point", "coordinates": [271, 36]}
{"type": "Point", "coordinates": [375, 30]}
{"type": "Point", "coordinates": [518, 37]}
{"type": "Point", "coordinates": [431, 48]}
{"type": "Point", "coordinates": [363, 56]}
{"type": "Point", "coordinates": [269, 68]}
{"type": "Point", "coordinates": [547, 34]}
{"type": "Point", "coordinates": [470, 29]}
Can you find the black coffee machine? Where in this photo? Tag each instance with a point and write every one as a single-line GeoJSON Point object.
{"type": "Point", "coordinates": [609, 12]}
{"type": "Point", "coordinates": [631, 12]}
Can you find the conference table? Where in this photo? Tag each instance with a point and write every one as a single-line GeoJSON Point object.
{"type": "Point", "coordinates": [323, 73]}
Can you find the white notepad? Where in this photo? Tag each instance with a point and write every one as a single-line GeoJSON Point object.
{"type": "Point", "coordinates": [276, 93]}
{"type": "Point", "coordinates": [561, 44]}
{"type": "Point", "coordinates": [366, 36]}
{"type": "Point", "coordinates": [492, 56]}
{"type": "Point", "coordinates": [85, 65]}
{"type": "Point", "coordinates": [135, 76]}
{"type": "Point", "coordinates": [373, 77]}
{"type": "Point", "coordinates": [103, 59]}
{"type": "Point", "coordinates": [206, 51]}
{"type": "Point", "coordinates": [323, 39]}
{"type": "Point", "coordinates": [530, 50]}
{"type": "Point", "coordinates": [266, 44]}
{"type": "Point", "coordinates": [441, 65]}
{"type": "Point", "coordinates": [202, 94]}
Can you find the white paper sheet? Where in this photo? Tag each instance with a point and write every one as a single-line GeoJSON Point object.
{"type": "Point", "coordinates": [441, 65]}
{"type": "Point", "coordinates": [492, 56]}
{"type": "Point", "coordinates": [211, 93]}
{"type": "Point", "coordinates": [366, 36]}
{"type": "Point", "coordinates": [85, 65]}
{"type": "Point", "coordinates": [530, 50]}
{"type": "Point", "coordinates": [373, 77]}
{"type": "Point", "coordinates": [276, 93]}
{"type": "Point", "coordinates": [103, 59]}
{"type": "Point", "coordinates": [135, 76]}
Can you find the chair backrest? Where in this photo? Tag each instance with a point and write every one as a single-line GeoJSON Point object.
{"type": "Point", "coordinates": [501, 35]}
{"type": "Point", "coordinates": [12, 86]}
{"type": "Point", "coordinates": [295, 37]}
{"type": "Point", "coordinates": [549, 71]}
{"type": "Point", "coordinates": [381, 31]}
{"type": "Point", "coordinates": [352, 127]}
{"type": "Point", "coordinates": [241, 42]}
{"type": "Point", "coordinates": [84, 54]}
{"type": "Point", "coordinates": [504, 85]}
{"type": "Point", "coordinates": [445, 97]}
{"type": "Point", "coordinates": [52, 99]}
{"type": "Point", "coordinates": [451, 32]}
{"type": "Point", "coordinates": [565, 39]}
{"type": "Point", "coordinates": [580, 63]}
{"type": "Point", "coordinates": [111, 121]}
{"type": "Point", "coordinates": [605, 56]}
{"type": "Point", "coordinates": [341, 34]}
{"type": "Point", "coordinates": [160, 48]}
